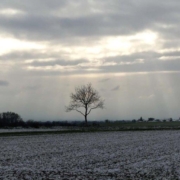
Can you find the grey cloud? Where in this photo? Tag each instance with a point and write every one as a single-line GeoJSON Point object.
{"type": "Point", "coordinates": [151, 62]}
{"type": "Point", "coordinates": [33, 5]}
{"type": "Point", "coordinates": [121, 18]}
{"type": "Point", "coordinates": [171, 43]}
{"type": "Point", "coordinates": [26, 55]}
{"type": "Point", "coordinates": [132, 17]}
{"type": "Point", "coordinates": [31, 88]}
{"type": "Point", "coordinates": [20, 55]}
{"type": "Point", "coordinates": [104, 80]}
{"type": "Point", "coordinates": [171, 53]}
{"type": "Point", "coordinates": [4, 83]}
{"type": "Point", "coordinates": [115, 88]}
{"type": "Point", "coordinates": [147, 55]}
{"type": "Point", "coordinates": [151, 66]}
{"type": "Point", "coordinates": [58, 62]}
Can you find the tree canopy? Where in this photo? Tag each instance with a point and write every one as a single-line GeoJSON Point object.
{"type": "Point", "coordinates": [87, 98]}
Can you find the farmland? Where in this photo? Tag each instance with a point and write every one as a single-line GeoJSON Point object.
{"type": "Point", "coordinates": [98, 155]}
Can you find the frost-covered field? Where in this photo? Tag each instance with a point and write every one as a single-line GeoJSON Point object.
{"type": "Point", "coordinates": [104, 155]}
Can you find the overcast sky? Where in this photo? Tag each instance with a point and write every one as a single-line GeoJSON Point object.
{"type": "Point", "coordinates": [129, 51]}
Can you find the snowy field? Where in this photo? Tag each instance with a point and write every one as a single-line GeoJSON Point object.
{"type": "Point", "coordinates": [104, 155]}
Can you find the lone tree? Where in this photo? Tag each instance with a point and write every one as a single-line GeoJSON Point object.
{"type": "Point", "coordinates": [87, 98]}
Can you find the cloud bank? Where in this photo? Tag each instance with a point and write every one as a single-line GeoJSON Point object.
{"type": "Point", "coordinates": [48, 44]}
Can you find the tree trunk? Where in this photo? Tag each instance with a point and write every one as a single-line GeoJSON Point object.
{"type": "Point", "coordinates": [85, 120]}
{"type": "Point", "coordinates": [86, 109]}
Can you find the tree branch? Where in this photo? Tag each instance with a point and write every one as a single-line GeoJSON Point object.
{"type": "Point", "coordinates": [99, 105]}
{"type": "Point", "coordinates": [80, 112]}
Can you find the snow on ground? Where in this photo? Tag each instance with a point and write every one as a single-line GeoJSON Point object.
{"type": "Point", "coordinates": [102, 156]}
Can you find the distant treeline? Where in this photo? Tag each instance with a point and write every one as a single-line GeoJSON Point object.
{"type": "Point", "coordinates": [11, 119]}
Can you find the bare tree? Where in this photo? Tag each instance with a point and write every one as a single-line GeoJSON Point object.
{"type": "Point", "coordinates": [87, 98]}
